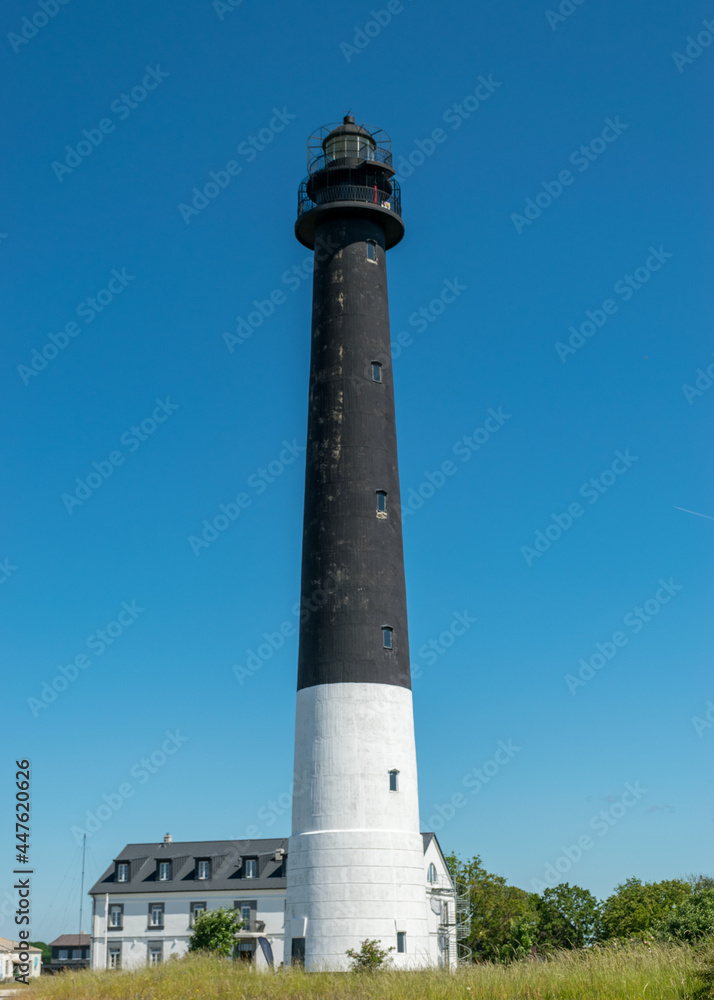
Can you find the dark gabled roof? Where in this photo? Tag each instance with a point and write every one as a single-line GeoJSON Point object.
{"type": "Point", "coordinates": [225, 857]}
{"type": "Point", "coordinates": [71, 941]}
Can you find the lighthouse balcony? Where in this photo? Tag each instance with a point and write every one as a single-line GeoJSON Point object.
{"type": "Point", "coordinates": [369, 194]}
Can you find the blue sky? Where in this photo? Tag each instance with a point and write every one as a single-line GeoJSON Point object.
{"type": "Point", "coordinates": [554, 172]}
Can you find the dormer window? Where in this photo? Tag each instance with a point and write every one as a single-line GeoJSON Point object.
{"type": "Point", "coordinates": [164, 871]}
{"type": "Point", "coordinates": [122, 871]}
{"type": "Point", "coordinates": [250, 868]}
{"type": "Point", "coordinates": [203, 868]}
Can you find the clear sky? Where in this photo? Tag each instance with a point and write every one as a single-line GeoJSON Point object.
{"type": "Point", "coordinates": [553, 297]}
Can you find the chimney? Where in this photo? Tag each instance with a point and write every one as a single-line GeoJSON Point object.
{"type": "Point", "coordinates": [167, 838]}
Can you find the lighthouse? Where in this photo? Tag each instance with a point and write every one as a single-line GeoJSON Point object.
{"type": "Point", "coordinates": [356, 854]}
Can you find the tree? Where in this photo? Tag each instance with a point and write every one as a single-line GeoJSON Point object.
{"type": "Point", "coordinates": [503, 918]}
{"type": "Point", "coordinates": [692, 920]}
{"type": "Point", "coordinates": [215, 931]}
{"type": "Point", "coordinates": [635, 908]}
{"type": "Point", "coordinates": [370, 956]}
{"type": "Point", "coordinates": [46, 950]}
{"type": "Point", "coordinates": [568, 917]}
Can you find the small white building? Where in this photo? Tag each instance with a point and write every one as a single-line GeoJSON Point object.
{"type": "Point", "coordinates": [145, 903]}
{"type": "Point", "coordinates": [13, 960]}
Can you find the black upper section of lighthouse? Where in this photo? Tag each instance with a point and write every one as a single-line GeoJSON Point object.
{"type": "Point", "coordinates": [353, 605]}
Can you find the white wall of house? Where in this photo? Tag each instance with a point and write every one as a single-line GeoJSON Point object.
{"type": "Point", "coordinates": [136, 937]}
{"type": "Point", "coordinates": [442, 907]}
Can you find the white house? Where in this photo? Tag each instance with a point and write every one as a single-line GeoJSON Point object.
{"type": "Point", "coordinates": [14, 957]}
{"type": "Point", "coordinates": [145, 903]}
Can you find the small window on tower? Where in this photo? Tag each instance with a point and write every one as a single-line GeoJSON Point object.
{"type": "Point", "coordinates": [401, 942]}
{"type": "Point", "coordinates": [394, 780]}
{"type": "Point", "coordinates": [387, 636]}
{"type": "Point", "coordinates": [376, 371]}
{"type": "Point", "coordinates": [382, 502]}
{"type": "Point", "coordinates": [372, 251]}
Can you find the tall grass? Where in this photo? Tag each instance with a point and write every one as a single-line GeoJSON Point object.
{"type": "Point", "coordinates": [633, 972]}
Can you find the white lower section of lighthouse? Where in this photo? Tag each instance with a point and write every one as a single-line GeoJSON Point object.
{"type": "Point", "coordinates": [356, 865]}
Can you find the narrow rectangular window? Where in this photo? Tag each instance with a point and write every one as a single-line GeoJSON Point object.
{"type": "Point", "coordinates": [155, 954]}
{"type": "Point", "coordinates": [381, 502]}
{"type": "Point", "coordinates": [203, 869]}
{"type": "Point", "coordinates": [196, 909]}
{"type": "Point", "coordinates": [156, 914]}
{"type": "Point", "coordinates": [115, 916]}
{"type": "Point", "coordinates": [114, 961]}
{"type": "Point", "coordinates": [376, 371]}
{"type": "Point", "coordinates": [122, 872]}
{"type": "Point", "coordinates": [401, 942]}
{"type": "Point", "coordinates": [164, 871]}
{"type": "Point", "coordinates": [387, 636]}
{"type": "Point", "coordinates": [245, 916]}
{"type": "Point", "coordinates": [371, 251]}
{"type": "Point", "coordinates": [250, 869]}
{"type": "Point", "coordinates": [393, 781]}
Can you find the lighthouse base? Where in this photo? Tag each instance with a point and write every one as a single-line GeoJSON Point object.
{"type": "Point", "coordinates": [356, 867]}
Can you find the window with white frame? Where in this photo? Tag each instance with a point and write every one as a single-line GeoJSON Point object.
{"type": "Point", "coordinates": [114, 956]}
{"type": "Point", "coordinates": [156, 914]}
{"type": "Point", "coordinates": [156, 952]}
{"type": "Point", "coordinates": [196, 908]}
{"type": "Point", "coordinates": [164, 871]}
{"type": "Point", "coordinates": [245, 915]}
{"type": "Point", "coordinates": [431, 873]}
{"type": "Point", "coordinates": [116, 912]}
{"type": "Point", "coordinates": [122, 871]}
{"type": "Point", "coordinates": [203, 868]}
{"type": "Point", "coordinates": [250, 868]}
{"type": "Point", "coordinates": [63, 954]}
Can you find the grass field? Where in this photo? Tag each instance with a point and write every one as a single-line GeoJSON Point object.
{"type": "Point", "coordinates": [662, 972]}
